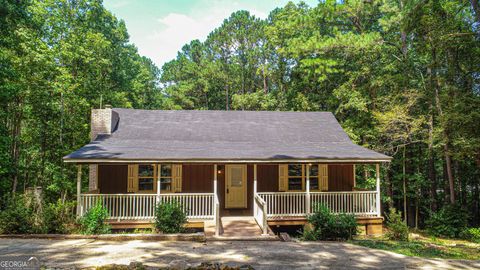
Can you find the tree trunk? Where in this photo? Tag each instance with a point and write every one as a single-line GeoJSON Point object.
{"type": "Point", "coordinates": [404, 188]}
{"type": "Point", "coordinates": [15, 150]}
{"type": "Point", "coordinates": [446, 148]}
{"type": "Point", "coordinates": [476, 9]}
{"type": "Point", "coordinates": [432, 174]}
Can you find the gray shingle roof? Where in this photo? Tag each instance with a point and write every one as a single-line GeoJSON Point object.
{"type": "Point", "coordinates": [224, 135]}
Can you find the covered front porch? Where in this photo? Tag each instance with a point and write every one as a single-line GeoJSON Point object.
{"type": "Point", "coordinates": [268, 193]}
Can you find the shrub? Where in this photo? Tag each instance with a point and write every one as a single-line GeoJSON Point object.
{"type": "Point", "coordinates": [17, 217]}
{"type": "Point", "coordinates": [309, 233]}
{"type": "Point", "coordinates": [449, 221]}
{"type": "Point", "coordinates": [471, 234]}
{"type": "Point", "coordinates": [397, 229]}
{"type": "Point", "coordinates": [169, 217]}
{"type": "Point", "coordinates": [328, 226]}
{"type": "Point", "coordinates": [93, 222]}
{"type": "Point", "coordinates": [59, 217]}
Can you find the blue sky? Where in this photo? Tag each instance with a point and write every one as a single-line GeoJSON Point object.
{"type": "Point", "coordinates": [159, 28]}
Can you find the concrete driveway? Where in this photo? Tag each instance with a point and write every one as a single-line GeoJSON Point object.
{"type": "Point", "coordinates": [259, 254]}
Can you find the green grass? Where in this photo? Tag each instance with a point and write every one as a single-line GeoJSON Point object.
{"type": "Point", "coordinates": [427, 247]}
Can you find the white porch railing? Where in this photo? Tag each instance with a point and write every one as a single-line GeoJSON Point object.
{"type": "Point", "coordinates": [360, 203]}
{"type": "Point", "coordinates": [260, 213]}
{"type": "Point", "coordinates": [142, 206]}
{"type": "Point", "coordinates": [285, 204]}
{"type": "Point", "coordinates": [293, 204]}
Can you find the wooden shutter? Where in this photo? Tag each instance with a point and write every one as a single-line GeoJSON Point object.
{"type": "Point", "coordinates": [177, 178]}
{"type": "Point", "coordinates": [132, 183]}
{"type": "Point", "coordinates": [282, 177]}
{"type": "Point", "coordinates": [323, 177]}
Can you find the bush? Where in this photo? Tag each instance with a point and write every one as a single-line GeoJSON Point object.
{"type": "Point", "coordinates": [449, 221]}
{"type": "Point", "coordinates": [397, 229]}
{"type": "Point", "coordinates": [328, 226]}
{"type": "Point", "coordinates": [17, 217]}
{"type": "Point", "coordinates": [169, 217]}
{"type": "Point", "coordinates": [471, 234]}
{"type": "Point", "coordinates": [59, 217]}
{"type": "Point", "coordinates": [93, 222]}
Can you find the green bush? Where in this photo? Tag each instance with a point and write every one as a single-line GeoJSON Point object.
{"type": "Point", "coordinates": [471, 234]}
{"type": "Point", "coordinates": [59, 217]}
{"type": "Point", "coordinates": [17, 217]}
{"type": "Point", "coordinates": [93, 222]}
{"type": "Point", "coordinates": [328, 226]}
{"type": "Point", "coordinates": [169, 217]}
{"type": "Point", "coordinates": [397, 229]}
{"type": "Point", "coordinates": [449, 221]}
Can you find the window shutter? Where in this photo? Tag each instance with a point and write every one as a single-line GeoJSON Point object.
{"type": "Point", "coordinates": [132, 183]}
{"type": "Point", "coordinates": [323, 177]}
{"type": "Point", "coordinates": [282, 177]}
{"type": "Point", "coordinates": [177, 178]}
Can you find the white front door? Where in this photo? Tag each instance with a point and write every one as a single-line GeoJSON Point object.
{"type": "Point", "coordinates": [236, 186]}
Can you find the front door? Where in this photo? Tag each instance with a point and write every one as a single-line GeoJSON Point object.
{"type": "Point", "coordinates": [236, 186]}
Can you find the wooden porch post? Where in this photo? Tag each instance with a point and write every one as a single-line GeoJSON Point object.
{"type": "Point", "coordinates": [79, 190]}
{"type": "Point", "coordinates": [215, 177]}
{"type": "Point", "coordinates": [159, 183]}
{"type": "Point", "coordinates": [378, 189]}
{"type": "Point", "coordinates": [254, 189]}
{"type": "Point", "coordinates": [354, 176]}
{"type": "Point", "coordinates": [307, 188]}
{"type": "Point", "coordinates": [216, 204]}
{"type": "Point", "coordinates": [254, 181]}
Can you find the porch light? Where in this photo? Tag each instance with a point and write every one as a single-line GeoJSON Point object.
{"type": "Point", "coordinates": [219, 171]}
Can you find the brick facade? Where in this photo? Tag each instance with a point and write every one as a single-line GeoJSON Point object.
{"type": "Point", "coordinates": [101, 123]}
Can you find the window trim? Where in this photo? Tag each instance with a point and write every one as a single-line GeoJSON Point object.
{"type": "Point", "coordinates": [147, 191]}
{"type": "Point", "coordinates": [159, 178]}
{"type": "Point", "coordinates": [304, 178]}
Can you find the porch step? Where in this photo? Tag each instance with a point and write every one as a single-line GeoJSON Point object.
{"type": "Point", "coordinates": [238, 228]}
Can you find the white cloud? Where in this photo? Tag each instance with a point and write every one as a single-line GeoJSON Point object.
{"type": "Point", "coordinates": [175, 29]}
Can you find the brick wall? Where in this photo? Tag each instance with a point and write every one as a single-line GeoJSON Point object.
{"type": "Point", "coordinates": [100, 123]}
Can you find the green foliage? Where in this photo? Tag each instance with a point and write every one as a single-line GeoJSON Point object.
{"type": "Point", "coordinates": [94, 221]}
{"type": "Point", "coordinates": [397, 228]}
{"type": "Point", "coordinates": [328, 226]}
{"type": "Point", "coordinates": [17, 217]}
{"type": "Point", "coordinates": [425, 248]}
{"type": "Point", "coordinates": [169, 217]}
{"type": "Point", "coordinates": [398, 75]}
{"type": "Point", "coordinates": [449, 221]}
{"type": "Point", "coordinates": [59, 217]}
{"type": "Point", "coordinates": [471, 234]}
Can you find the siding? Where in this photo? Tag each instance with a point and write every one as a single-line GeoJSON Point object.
{"type": "Point", "coordinates": [267, 178]}
{"type": "Point", "coordinates": [112, 179]}
{"type": "Point", "coordinates": [197, 178]}
{"type": "Point", "coordinates": [340, 177]}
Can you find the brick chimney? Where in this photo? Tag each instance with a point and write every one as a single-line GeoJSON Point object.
{"type": "Point", "coordinates": [101, 122]}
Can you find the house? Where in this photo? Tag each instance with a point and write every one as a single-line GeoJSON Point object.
{"type": "Point", "coordinates": [268, 167]}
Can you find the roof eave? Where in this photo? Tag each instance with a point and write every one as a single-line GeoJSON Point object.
{"type": "Point", "coordinates": [244, 160]}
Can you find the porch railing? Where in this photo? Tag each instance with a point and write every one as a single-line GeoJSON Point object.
{"type": "Point", "coordinates": [294, 204]}
{"type": "Point", "coordinates": [142, 206]}
{"type": "Point", "coordinates": [260, 213]}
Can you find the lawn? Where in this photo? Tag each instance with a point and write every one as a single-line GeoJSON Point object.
{"type": "Point", "coordinates": [422, 245]}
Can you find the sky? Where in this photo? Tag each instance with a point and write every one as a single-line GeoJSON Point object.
{"type": "Point", "coordinates": [159, 28]}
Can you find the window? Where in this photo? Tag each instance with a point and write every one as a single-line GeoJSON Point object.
{"type": "Point", "coordinates": [166, 178]}
{"type": "Point", "coordinates": [146, 176]}
{"type": "Point", "coordinates": [297, 176]}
